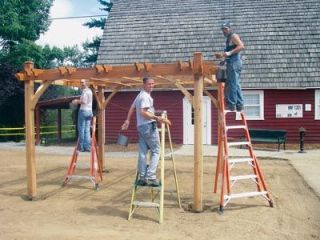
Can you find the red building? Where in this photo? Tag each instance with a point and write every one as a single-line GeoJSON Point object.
{"type": "Point", "coordinates": [265, 111]}
{"type": "Point", "coordinates": [280, 77]}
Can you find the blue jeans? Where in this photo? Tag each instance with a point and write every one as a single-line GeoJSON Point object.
{"type": "Point", "coordinates": [84, 120]}
{"type": "Point", "coordinates": [148, 139]}
{"type": "Point", "coordinates": [233, 94]}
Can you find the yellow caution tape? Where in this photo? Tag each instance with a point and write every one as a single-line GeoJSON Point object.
{"type": "Point", "coordinates": [41, 133]}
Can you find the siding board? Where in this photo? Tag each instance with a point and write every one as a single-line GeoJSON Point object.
{"type": "Point", "coordinates": [171, 101]}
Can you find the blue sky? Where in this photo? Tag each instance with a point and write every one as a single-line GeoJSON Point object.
{"type": "Point", "coordinates": [69, 32]}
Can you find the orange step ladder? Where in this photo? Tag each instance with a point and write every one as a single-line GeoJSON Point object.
{"type": "Point", "coordinates": [95, 175]}
{"type": "Point", "coordinates": [225, 162]}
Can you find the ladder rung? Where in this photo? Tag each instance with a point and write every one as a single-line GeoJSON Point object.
{"type": "Point", "coordinates": [245, 194]}
{"type": "Point", "coordinates": [83, 165]}
{"type": "Point", "coordinates": [228, 111]}
{"type": "Point", "coordinates": [146, 204]}
{"type": "Point", "coordinates": [147, 186]}
{"type": "Point", "coordinates": [242, 177]}
{"type": "Point", "coordinates": [240, 160]}
{"type": "Point", "coordinates": [77, 177]}
{"type": "Point", "coordinates": [236, 127]}
{"type": "Point", "coordinates": [238, 143]}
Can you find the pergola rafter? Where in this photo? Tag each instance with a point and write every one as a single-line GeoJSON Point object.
{"type": "Point", "coordinates": [197, 75]}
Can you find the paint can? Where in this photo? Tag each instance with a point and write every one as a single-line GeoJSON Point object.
{"type": "Point", "coordinates": [73, 106]}
{"type": "Point", "coordinates": [123, 140]}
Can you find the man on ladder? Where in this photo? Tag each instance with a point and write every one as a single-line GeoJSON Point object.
{"type": "Point", "coordinates": [233, 94]}
{"type": "Point", "coordinates": [148, 133]}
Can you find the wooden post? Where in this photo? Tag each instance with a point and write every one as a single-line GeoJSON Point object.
{"type": "Point", "coordinates": [59, 136]}
{"type": "Point", "coordinates": [101, 129]}
{"type": "Point", "coordinates": [198, 136]}
{"type": "Point", "coordinates": [162, 153]}
{"type": "Point", "coordinates": [37, 125]}
{"type": "Point", "coordinates": [29, 124]}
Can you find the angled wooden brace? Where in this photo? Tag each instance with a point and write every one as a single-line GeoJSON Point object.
{"type": "Point", "coordinates": [181, 88]}
{"type": "Point", "coordinates": [213, 99]}
{"type": "Point", "coordinates": [41, 89]}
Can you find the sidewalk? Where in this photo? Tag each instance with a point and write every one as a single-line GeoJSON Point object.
{"type": "Point", "coordinates": [307, 164]}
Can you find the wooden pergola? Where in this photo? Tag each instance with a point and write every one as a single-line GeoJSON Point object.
{"type": "Point", "coordinates": [197, 74]}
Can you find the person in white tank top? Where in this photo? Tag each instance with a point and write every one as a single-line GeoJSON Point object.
{"type": "Point", "coordinates": [84, 116]}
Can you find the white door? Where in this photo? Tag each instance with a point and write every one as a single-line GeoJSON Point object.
{"type": "Point", "coordinates": [188, 121]}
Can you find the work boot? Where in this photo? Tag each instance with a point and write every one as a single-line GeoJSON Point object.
{"type": "Point", "coordinates": [240, 108]}
{"type": "Point", "coordinates": [153, 183]}
{"type": "Point", "coordinates": [230, 108]}
{"type": "Point", "coordinates": [141, 182]}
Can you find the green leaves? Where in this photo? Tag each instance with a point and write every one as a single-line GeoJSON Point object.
{"type": "Point", "coordinates": [96, 23]}
{"type": "Point", "coordinates": [91, 48]}
{"type": "Point", "coordinates": [22, 19]}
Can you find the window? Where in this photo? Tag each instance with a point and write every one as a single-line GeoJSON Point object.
{"type": "Point", "coordinates": [254, 105]}
{"type": "Point", "coordinates": [317, 105]}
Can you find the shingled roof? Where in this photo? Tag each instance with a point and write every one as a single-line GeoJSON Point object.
{"type": "Point", "coordinates": [282, 37]}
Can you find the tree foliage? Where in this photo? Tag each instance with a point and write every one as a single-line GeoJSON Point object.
{"type": "Point", "coordinates": [100, 23]}
{"type": "Point", "coordinates": [91, 47]}
{"type": "Point", "coordinates": [21, 23]}
{"type": "Point", "coordinates": [8, 79]}
{"type": "Point", "coordinates": [22, 19]}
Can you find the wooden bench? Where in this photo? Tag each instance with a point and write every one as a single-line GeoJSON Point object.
{"type": "Point", "coordinates": [269, 136]}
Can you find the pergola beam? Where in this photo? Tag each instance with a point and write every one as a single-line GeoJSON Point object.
{"type": "Point", "coordinates": [115, 74]}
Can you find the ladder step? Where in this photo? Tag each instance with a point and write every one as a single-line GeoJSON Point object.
{"type": "Point", "coordinates": [82, 165]}
{"type": "Point", "coordinates": [242, 177]}
{"type": "Point", "coordinates": [228, 111]}
{"type": "Point", "coordinates": [240, 160]}
{"type": "Point", "coordinates": [146, 204]}
{"type": "Point", "coordinates": [245, 194]}
{"type": "Point", "coordinates": [238, 143]}
{"type": "Point", "coordinates": [78, 177]}
{"type": "Point", "coordinates": [236, 127]}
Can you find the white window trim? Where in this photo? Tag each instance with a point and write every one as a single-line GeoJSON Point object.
{"type": "Point", "coordinates": [261, 100]}
{"type": "Point", "coordinates": [316, 100]}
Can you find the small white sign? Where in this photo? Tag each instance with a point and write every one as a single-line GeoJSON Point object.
{"type": "Point", "coordinates": [289, 111]}
{"type": "Point", "coordinates": [307, 107]}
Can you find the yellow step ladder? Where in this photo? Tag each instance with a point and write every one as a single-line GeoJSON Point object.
{"type": "Point", "coordinates": [225, 162]}
{"type": "Point", "coordinates": [156, 191]}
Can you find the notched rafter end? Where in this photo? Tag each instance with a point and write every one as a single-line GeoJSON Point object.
{"type": "Point", "coordinates": [139, 66]}
{"type": "Point", "coordinates": [103, 68]}
{"type": "Point", "coordinates": [147, 66]}
{"type": "Point", "coordinates": [66, 70]}
{"type": "Point", "coordinates": [62, 70]}
{"type": "Point", "coordinates": [185, 65]}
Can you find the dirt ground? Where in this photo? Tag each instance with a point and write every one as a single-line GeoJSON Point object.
{"type": "Point", "coordinates": [76, 211]}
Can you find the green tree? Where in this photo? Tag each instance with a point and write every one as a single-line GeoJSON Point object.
{"type": "Point", "coordinates": [22, 19]}
{"type": "Point", "coordinates": [91, 47]}
{"type": "Point", "coordinates": [21, 23]}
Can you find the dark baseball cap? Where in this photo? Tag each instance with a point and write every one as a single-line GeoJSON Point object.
{"type": "Point", "coordinates": [226, 24]}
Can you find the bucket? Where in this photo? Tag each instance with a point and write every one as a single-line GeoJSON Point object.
{"type": "Point", "coordinates": [122, 140]}
{"type": "Point", "coordinates": [221, 75]}
{"type": "Point", "coordinates": [73, 106]}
